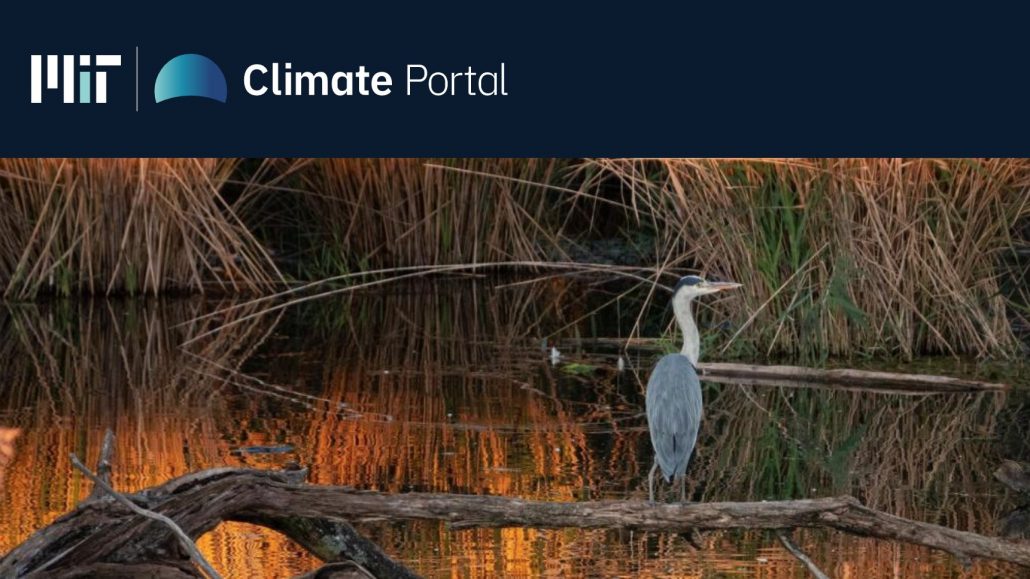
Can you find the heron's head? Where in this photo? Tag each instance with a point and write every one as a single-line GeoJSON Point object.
{"type": "Point", "coordinates": [692, 286]}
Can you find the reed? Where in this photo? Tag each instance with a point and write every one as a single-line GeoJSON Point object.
{"type": "Point", "coordinates": [393, 212]}
{"type": "Point", "coordinates": [840, 257]}
{"type": "Point", "coordinates": [135, 226]}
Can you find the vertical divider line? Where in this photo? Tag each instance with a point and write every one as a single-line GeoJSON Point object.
{"type": "Point", "coordinates": [137, 79]}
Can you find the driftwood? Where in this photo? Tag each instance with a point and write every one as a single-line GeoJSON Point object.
{"type": "Point", "coordinates": [800, 376]}
{"type": "Point", "coordinates": [104, 537]}
{"type": "Point", "coordinates": [796, 376]}
{"type": "Point", "coordinates": [758, 374]}
{"type": "Point", "coordinates": [184, 540]}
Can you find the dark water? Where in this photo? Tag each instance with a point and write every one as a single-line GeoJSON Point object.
{"type": "Point", "coordinates": [446, 387]}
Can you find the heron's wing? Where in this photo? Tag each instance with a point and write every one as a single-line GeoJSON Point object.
{"type": "Point", "coordinates": [673, 412]}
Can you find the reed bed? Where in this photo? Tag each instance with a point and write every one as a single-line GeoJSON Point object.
{"type": "Point", "coordinates": [136, 226]}
{"type": "Point", "coordinates": [839, 257]}
{"type": "Point", "coordinates": [398, 212]}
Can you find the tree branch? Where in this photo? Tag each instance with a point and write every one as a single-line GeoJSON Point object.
{"type": "Point", "coordinates": [104, 465]}
{"type": "Point", "coordinates": [314, 516]}
{"type": "Point", "coordinates": [186, 542]}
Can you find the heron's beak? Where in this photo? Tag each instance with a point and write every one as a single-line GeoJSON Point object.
{"type": "Point", "coordinates": [723, 285]}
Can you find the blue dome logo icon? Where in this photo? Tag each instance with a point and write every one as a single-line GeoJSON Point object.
{"type": "Point", "coordinates": [190, 75]}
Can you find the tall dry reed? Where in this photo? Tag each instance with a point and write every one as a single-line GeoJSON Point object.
{"type": "Point", "coordinates": [389, 212]}
{"type": "Point", "coordinates": [841, 256]}
{"type": "Point", "coordinates": [104, 226]}
{"type": "Point", "coordinates": [838, 256]}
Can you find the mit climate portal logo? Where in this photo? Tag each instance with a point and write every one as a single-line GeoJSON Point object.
{"type": "Point", "coordinates": [85, 76]}
{"type": "Point", "coordinates": [195, 75]}
{"type": "Point", "coordinates": [88, 91]}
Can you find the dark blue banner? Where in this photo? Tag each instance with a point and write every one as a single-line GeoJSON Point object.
{"type": "Point", "coordinates": [342, 79]}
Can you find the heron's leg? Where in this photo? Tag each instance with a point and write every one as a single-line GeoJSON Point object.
{"type": "Point", "coordinates": [650, 481]}
{"type": "Point", "coordinates": [683, 488]}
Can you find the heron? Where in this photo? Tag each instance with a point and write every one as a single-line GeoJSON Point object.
{"type": "Point", "coordinates": [674, 392]}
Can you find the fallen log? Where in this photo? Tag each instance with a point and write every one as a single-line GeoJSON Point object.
{"type": "Point", "coordinates": [754, 373]}
{"type": "Point", "coordinates": [104, 538]}
{"type": "Point", "coordinates": [101, 535]}
{"type": "Point", "coordinates": [99, 483]}
{"type": "Point", "coordinates": [795, 376]}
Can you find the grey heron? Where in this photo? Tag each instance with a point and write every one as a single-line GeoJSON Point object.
{"type": "Point", "coordinates": [674, 391]}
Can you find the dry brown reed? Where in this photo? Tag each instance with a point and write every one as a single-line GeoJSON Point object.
{"type": "Point", "coordinates": [137, 226]}
{"type": "Point", "coordinates": [391, 212]}
{"type": "Point", "coordinates": [838, 256]}
{"type": "Point", "coordinates": [841, 256]}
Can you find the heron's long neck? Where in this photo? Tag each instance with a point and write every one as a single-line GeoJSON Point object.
{"type": "Point", "coordinates": [691, 339]}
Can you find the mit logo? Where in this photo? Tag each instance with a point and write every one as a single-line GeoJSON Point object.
{"type": "Point", "coordinates": [67, 81]}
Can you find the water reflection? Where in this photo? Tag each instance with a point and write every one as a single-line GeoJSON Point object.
{"type": "Point", "coordinates": [445, 387]}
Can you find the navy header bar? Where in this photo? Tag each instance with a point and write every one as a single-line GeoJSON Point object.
{"type": "Point", "coordinates": [548, 79]}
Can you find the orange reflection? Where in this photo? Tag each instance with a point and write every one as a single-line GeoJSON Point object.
{"type": "Point", "coordinates": [451, 393]}
{"type": "Point", "coordinates": [7, 438]}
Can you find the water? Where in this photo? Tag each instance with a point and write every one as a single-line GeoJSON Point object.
{"type": "Point", "coordinates": [449, 387]}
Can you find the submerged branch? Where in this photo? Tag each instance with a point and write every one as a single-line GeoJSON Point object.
{"type": "Point", "coordinates": [800, 555]}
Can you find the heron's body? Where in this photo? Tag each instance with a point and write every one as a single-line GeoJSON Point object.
{"type": "Point", "coordinates": [674, 392]}
{"type": "Point", "coordinates": [673, 413]}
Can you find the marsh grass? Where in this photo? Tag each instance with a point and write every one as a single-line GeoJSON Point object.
{"type": "Point", "coordinates": [133, 226]}
{"type": "Point", "coordinates": [840, 257]}
{"type": "Point", "coordinates": [398, 212]}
